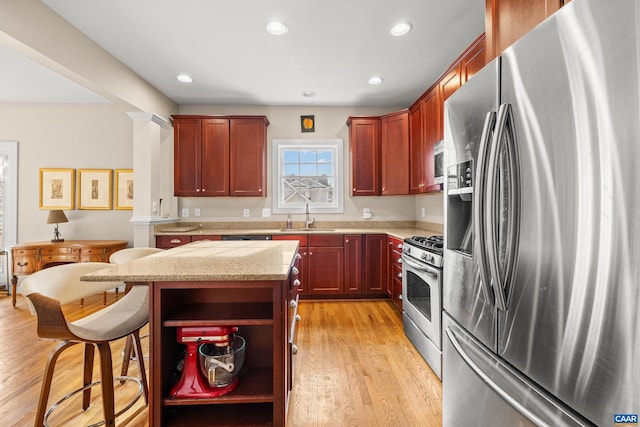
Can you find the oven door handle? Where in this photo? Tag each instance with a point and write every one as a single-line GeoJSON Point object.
{"type": "Point", "coordinates": [411, 263]}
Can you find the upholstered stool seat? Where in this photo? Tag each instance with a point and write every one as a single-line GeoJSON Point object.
{"type": "Point", "coordinates": [47, 290]}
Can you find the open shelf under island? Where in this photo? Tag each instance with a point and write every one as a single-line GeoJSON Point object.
{"type": "Point", "coordinates": [249, 284]}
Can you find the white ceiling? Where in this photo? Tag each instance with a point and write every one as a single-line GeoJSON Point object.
{"type": "Point", "coordinates": [332, 48]}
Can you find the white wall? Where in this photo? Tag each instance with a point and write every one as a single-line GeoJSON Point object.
{"type": "Point", "coordinates": [330, 123]}
{"type": "Point", "coordinates": [67, 136]}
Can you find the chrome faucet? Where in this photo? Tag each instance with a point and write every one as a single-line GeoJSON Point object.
{"type": "Point", "coordinates": [309, 221]}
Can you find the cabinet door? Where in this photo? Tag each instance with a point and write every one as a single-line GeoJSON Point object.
{"type": "Point", "coordinates": [353, 267]}
{"type": "Point", "coordinates": [394, 158]}
{"type": "Point", "coordinates": [432, 119]}
{"type": "Point", "coordinates": [186, 156]}
{"type": "Point", "coordinates": [248, 157]}
{"type": "Point", "coordinates": [508, 20]}
{"type": "Point", "coordinates": [474, 59]}
{"type": "Point", "coordinates": [215, 157]}
{"type": "Point", "coordinates": [417, 148]}
{"type": "Point", "coordinates": [376, 264]}
{"type": "Point", "coordinates": [326, 270]}
{"type": "Point", "coordinates": [364, 145]}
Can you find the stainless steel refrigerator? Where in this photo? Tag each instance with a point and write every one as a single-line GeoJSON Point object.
{"type": "Point", "coordinates": [541, 290]}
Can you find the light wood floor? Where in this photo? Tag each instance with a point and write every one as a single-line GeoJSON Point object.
{"type": "Point", "coordinates": [355, 367]}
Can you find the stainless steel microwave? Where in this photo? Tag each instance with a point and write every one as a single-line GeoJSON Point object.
{"type": "Point", "coordinates": [438, 162]}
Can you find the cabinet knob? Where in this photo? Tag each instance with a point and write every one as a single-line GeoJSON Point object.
{"type": "Point", "coordinates": [298, 256]}
{"type": "Point", "coordinates": [22, 264]}
{"type": "Point", "coordinates": [346, 241]}
{"type": "Point", "coordinates": [175, 241]}
{"type": "Point", "coordinates": [310, 253]}
{"type": "Point", "coordinates": [197, 190]}
{"type": "Point", "coordinates": [293, 304]}
{"type": "Point", "coordinates": [296, 283]}
{"type": "Point", "coordinates": [400, 275]}
{"type": "Point", "coordinates": [203, 190]}
{"type": "Point", "coordinates": [399, 261]}
{"type": "Point", "coordinates": [400, 297]}
{"type": "Point", "coordinates": [399, 245]}
{"type": "Point", "coordinates": [294, 349]}
{"type": "Point", "coordinates": [294, 271]}
{"type": "Point", "coordinates": [298, 318]}
{"type": "Point", "coordinates": [354, 190]}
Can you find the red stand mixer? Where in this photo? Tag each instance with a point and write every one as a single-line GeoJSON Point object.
{"type": "Point", "coordinates": [209, 349]}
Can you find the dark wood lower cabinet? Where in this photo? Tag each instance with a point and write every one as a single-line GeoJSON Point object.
{"type": "Point", "coordinates": [325, 270]}
{"type": "Point", "coordinates": [375, 255]}
{"type": "Point", "coordinates": [265, 313]}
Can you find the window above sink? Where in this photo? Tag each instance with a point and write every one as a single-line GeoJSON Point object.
{"type": "Point", "coordinates": [308, 171]}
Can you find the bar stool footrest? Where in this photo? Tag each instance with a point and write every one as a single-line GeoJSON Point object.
{"type": "Point", "coordinates": [54, 406]}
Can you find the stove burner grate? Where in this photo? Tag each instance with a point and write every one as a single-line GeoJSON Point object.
{"type": "Point", "coordinates": [433, 244]}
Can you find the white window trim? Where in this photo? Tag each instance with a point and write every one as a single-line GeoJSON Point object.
{"type": "Point", "coordinates": [335, 144]}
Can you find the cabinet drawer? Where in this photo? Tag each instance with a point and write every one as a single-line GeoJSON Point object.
{"type": "Point", "coordinates": [396, 243]}
{"type": "Point", "coordinates": [397, 271]}
{"type": "Point", "coordinates": [166, 242]}
{"type": "Point", "coordinates": [396, 257]}
{"type": "Point", "coordinates": [63, 252]}
{"type": "Point", "coordinates": [333, 240]}
{"type": "Point", "coordinates": [93, 255]}
{"type": "Point", "coordinates": [24, 263]}
{"type": "Point", "coordinates": [302, 239]}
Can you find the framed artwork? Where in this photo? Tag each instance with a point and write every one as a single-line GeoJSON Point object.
{"type": "Point", "coordinates": [124, 189]}
{"type": "Point", "coordinates": [94, 188]}
{"type": "Point", "coordinates": [307, 123]}
{"type": "Point", "coordinates": [57, 188]}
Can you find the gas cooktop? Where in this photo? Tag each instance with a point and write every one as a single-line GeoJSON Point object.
{"type": "Point", "coordinates": [432, 244]}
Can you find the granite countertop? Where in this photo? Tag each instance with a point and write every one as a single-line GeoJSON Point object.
{"type": "Point", "coordinates": [401, 232]}
{"type": "Point", "coordinates": [234, 260]}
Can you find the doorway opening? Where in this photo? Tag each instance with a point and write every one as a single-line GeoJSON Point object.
{"type": "Point", "coordinates": [8, 206]}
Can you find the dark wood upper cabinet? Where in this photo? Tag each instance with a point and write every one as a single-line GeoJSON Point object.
{"type": "Point", "coordinates": [417, 149]}
{"type": "Point", "coordinates": [248, 157]}
{"type": "Point", "coordinates": [186, 157]}
{"type": "Point", "coordinates": [394, 148]}
{"type": "Point", "coordinates": [508, 20]}
{"type": "Point", "coordinates": [473, 59]}
{"type": "Point", "coordinates": [220, 156]}
{"type": "Point", "coordinates": [215, 157]}
{"type": "Point", "coordinates": [364, 146]}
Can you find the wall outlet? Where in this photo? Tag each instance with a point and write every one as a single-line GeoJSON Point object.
{"type": "Point", "coordinates": [423, 212]}
{"type": "Point", "coordinates": [196, 211]}
{"type": "Point", "coordinates": [185, 212]}
{"type": "Point", "coordinates": [266, 212]}
{"type": "Point", "coordinates": [245, 213]}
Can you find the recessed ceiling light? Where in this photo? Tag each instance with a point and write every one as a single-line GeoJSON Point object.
{"type": "Point", "coordinates": [184, 78]}
{"type": "Point", "coordinates": [277, 28]}
{"type": "Point", "coordinates": [308, 94]}
{"type": "Point", "coordinates": [375, 80]}
{"type": "Point", "coordinates": [401, 28]}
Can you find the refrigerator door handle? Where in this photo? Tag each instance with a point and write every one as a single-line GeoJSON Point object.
{"type": "Point", "coordinates": [487, 379]}
{"type": "Point", "coordinates": [505, 131]}
{"type": "Point", "coordinates": [479, 208]}
{"type": "Point", "coordinates": [521, 394]}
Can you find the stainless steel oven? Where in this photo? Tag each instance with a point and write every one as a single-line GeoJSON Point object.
{"type": "Point", "coordinates": [422, 297]}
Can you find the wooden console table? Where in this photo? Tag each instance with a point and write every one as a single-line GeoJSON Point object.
{"type": "Point", "coordinates": [35, 256]}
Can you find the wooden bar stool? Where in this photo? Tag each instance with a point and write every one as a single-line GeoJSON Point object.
{"type": "Point", "coordinates": [46, 291]}
{"type": "Point", "coordinates": [121, 257]}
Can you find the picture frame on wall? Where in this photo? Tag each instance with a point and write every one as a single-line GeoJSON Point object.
{"type": "Point", "coordinates": [94, 188]}
{"type": "Point", "coordinates": [57, 188]}
{"type": "Point", "coordinates": [307, 123]}
{"type": "Point", "coordinates": [124, 189]}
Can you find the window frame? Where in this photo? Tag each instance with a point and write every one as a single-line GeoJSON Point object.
{"type": "Point", "coordinates": [336, 145]}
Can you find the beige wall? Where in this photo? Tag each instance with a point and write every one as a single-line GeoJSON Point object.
{"type": "Point", "coordinates": [285, 124]}
{"type": "Point", "coordinates": [67, 136]}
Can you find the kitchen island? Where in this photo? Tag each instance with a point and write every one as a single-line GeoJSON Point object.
{"type": "Point", "coordinates": [248, 284]}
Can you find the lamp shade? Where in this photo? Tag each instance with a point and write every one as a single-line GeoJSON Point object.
{"type": "Point", "coordinates": [56, 217]}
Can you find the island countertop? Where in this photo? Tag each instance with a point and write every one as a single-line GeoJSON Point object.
{"type": "Point", "coordinates": [240, 260]}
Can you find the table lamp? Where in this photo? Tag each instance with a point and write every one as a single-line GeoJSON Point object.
{"type": "Point", "coordinates": [56, 217]}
